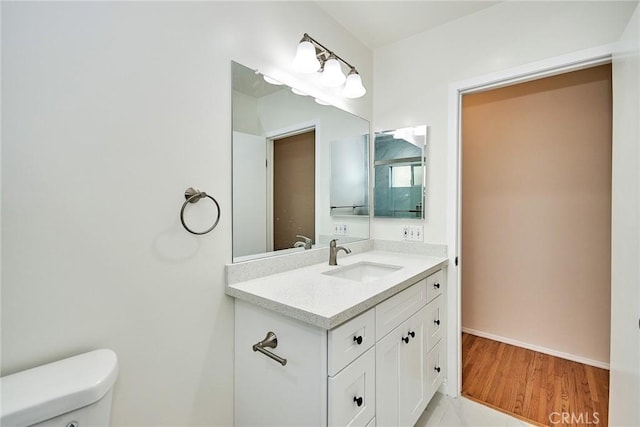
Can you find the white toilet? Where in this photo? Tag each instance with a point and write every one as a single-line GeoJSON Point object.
{"type": "Point", "coordinates": [74, 392]}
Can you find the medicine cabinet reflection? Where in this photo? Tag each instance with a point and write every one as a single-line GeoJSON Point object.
{"type": "Point", "coordinates": [399, 168]}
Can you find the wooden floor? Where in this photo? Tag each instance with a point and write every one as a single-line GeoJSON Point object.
{"type": "Point", "coordinates": [532, 386]}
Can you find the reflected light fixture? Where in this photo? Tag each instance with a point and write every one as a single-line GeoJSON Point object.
{"type": "Point", "coordinates": [312, 56]}
{"type": "Point", "coordinates": [298, 91]}
{"type": "Point", "coordinates": [271, 80]}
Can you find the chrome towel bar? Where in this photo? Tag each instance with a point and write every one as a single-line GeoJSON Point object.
{"type": "Point", "coordinates": [270, 341]}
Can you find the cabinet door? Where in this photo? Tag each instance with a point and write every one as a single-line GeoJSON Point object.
{"type": "Point", "coordinates": [388, 355]}
{"type": "Point", "coordinates": [413, 384]}
{"type": "Point", "coordinates": [435, 324]}
{"type": "Point", "coordinates": [435, 368]}
{"type": "Point", "coordinates": [352, 393]}
{"type": "Point", "coordinates": [401, 374]}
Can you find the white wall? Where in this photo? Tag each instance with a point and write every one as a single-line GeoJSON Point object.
{"type": "Point", "coordinates": [412, 76]}
{"type": "Point", "coordinates": [625, 253]}
{"type": "Point", "coordinates": [110, 110]}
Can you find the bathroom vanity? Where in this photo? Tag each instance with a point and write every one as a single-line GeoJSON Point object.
{"type": "Point", "coordinates": [358, 344]}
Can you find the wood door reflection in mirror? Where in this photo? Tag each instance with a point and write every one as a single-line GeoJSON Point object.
{"type": "Point", "coordinates": [293, 189]}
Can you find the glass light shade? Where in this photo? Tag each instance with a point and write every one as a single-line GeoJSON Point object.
{"type": "Point", "coordinates": [332, 75]}
{"type": "Point", "coordinates": [298, 91]}
{"type": "Point", "coordinates": [271, 80]}
{"type": "Point", "coordinates": [306, 60]}
{"type": "Point", "coordinates": [353, 88]}
{"type": "Point", "coordinates": [321, 102]}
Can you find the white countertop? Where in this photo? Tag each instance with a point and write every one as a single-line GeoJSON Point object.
{"type": "Point", "coordinates": [326, 301]}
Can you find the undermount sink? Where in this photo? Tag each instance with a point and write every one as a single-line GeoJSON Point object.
{"type": "Point", "coordinates": [363, 271]}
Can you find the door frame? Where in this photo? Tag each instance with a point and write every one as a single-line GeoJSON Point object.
{"type": "Point", "coordinates": [292, 130]}
{"type": "Point", "coordinates": [536, 70]}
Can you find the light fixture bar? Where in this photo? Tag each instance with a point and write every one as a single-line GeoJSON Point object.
{"type": "Point", "coordinates": [312, 56]}
{"type": "Point", "coordinates": [307, 37]}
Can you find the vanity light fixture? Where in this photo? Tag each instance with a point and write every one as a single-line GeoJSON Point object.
{"type": "Point", "coordinates": [312, 57]}
{"type": "Point", "coordinates": [306, 60]}
{"type": "Point", "coordinates": [332, 74]}
{"type": "Point", "coordinates": [353, 88]}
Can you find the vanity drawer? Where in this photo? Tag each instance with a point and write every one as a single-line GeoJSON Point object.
{"type": "Point", "coordinates": [435, 321]}
{"type": "Point", "coordinates": [435, 284]}
{"type": "Point", "coordinates": [400, 307]}
{"type": "Point", "coordinates": [350, 340]}
{"type": "Point", "coordinates": [352, 393]}
{"type": "Point", "coordinates": [435, 368]}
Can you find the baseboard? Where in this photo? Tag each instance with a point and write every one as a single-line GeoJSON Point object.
{"type": "Point", "coordinates": [537, 348]}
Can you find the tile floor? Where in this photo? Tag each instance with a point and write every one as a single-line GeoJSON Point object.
{"type": "Point", "coordinates": [460, 412]}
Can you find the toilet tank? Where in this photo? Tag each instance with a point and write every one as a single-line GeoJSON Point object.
{"type": "Point", "coordinates": [73, 392]}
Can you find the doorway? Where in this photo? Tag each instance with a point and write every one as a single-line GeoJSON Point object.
{"type": "Point", "coordinates": [536, 230]}
{"type": "Point", "coordinates": [294, 184]}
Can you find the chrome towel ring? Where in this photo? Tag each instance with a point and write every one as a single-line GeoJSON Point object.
{"type": "Point", "coordinates": [194, 196]}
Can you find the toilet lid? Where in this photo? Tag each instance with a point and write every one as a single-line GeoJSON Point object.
{"type": "Point", "coordinates": [44, 392]}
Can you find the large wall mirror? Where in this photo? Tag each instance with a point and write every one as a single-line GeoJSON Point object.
{"type": "Point", "coordinates": [300, 170]}
{"type": "Point", "coordinates": [399, 169]}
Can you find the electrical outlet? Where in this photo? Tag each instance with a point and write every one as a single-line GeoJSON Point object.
{"type": "Point", "coordinates": [340, 229]}
{"type": "Point", "coordinates": [412, 233]}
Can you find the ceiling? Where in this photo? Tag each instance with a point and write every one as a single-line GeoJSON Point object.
{"type": "Point", "coordinates": [378, 23]}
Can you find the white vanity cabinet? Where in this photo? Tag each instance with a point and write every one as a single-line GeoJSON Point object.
{"type": "Point", "coordinates": [376, 369]}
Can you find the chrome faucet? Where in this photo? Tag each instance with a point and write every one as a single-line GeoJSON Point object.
{"type": "Point", "coordinates": [306, 243]}
{"type": "Point", "coordinates": [333, 252]}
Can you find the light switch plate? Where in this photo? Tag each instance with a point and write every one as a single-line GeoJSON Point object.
{"type": "Point", "coordinates": [340, 230]}
{"type": "Point", "coordinates": [412, 233]}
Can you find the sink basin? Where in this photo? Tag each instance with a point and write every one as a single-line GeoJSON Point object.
{"type": "Point", "coordinates": [363, 271]}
